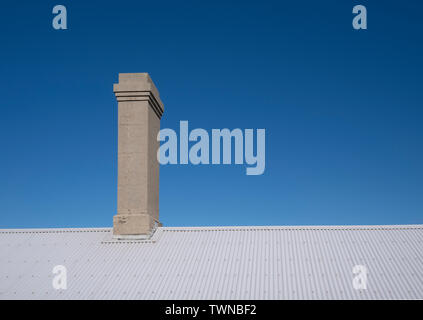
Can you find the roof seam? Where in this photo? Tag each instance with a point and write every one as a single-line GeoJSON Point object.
{"type": "Point", "coordinates": [128, 242]}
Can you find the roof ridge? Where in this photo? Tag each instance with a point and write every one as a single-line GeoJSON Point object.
{"type": "Point", "coordinates": [61, 230]}
{"type": "Point", "coordinates": [224, 228]}
{"type": "Point", "coordinates": [343, 228]}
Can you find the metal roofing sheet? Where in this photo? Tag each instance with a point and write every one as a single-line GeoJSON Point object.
{"type": "Point", "coordinates": [214, 263]}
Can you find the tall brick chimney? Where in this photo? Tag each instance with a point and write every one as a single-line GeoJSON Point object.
{"type": "Point", "coordinates": [139, 113]}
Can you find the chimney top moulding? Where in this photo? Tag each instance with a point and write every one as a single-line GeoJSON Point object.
{"type": "Point", "coordinates": [138, 87]}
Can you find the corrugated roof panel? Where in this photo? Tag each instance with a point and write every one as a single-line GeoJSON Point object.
{"type": "Point", "coordinates": [215, 263]}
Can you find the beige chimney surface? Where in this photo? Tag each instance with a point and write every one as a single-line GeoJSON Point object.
{"type": "Point", "coordinates": [139, 113]}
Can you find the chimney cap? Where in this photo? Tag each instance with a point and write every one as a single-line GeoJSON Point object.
{"type": "Point", "coordinates": [138, 86]}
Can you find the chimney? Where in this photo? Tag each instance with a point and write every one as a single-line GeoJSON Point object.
{"type": "Point", "coordinates": [139, 113]}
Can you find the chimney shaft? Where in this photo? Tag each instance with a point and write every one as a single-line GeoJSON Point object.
{"type": "Point", "coordinates": [139, 113]}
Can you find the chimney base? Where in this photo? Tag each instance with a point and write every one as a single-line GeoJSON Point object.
{"type": "Point", "coordinates": [134, 224]}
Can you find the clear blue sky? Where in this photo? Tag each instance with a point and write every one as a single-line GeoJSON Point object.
{"type": "Point", "coordinates": [342, 109]}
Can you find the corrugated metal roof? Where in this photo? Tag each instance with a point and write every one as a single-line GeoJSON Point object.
{"type": "Point", "coordinates": [215, 263]}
